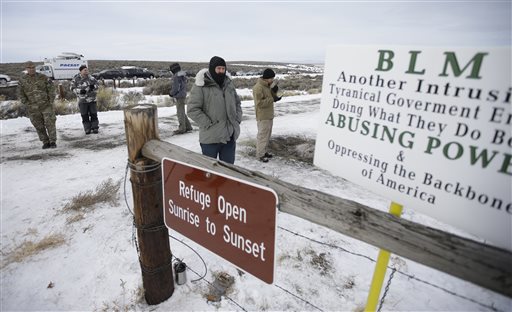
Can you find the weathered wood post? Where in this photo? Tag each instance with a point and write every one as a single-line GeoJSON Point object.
{"type": "Point", "coordinates": [141, 125]}
{"type": "Point", "coordinates": [61, 91]}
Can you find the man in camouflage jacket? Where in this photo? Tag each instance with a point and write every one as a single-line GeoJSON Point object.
{"type": "Point", "coordinates": [37, 93]}
{"type": "Point", "coordinates": [85, 86]}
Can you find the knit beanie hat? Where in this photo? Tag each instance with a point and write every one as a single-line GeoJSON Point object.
{"type": "Point", "coordinates": [214, 62]}
{"type": "Point", "coordinates": [268, 73]}
{"type": "Point", "coordinates": [174, 68]}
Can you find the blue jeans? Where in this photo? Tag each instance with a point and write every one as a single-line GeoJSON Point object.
{"type": "Point", "coordinates": [226, 152]}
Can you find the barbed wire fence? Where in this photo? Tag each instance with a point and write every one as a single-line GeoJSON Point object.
{"type": "Point", "coordinates": [202, 277]}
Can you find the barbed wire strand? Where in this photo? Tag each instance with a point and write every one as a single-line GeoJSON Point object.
{"type": "Point", "coordinates": [211, 284]}
{"type": "Point", "coordinates": [154, 167]}
{"type": "Point", "coordinates": [289, 292]}
{"type": "Point", "coordinates": [398, 271]}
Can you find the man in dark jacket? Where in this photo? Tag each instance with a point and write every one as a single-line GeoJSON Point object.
{"type": "Point", "coordinates": [85, 87]}
{"type": "Point", "coordinates": [179, 92]}
{"type": "Point", "coordinates": [215, 106]}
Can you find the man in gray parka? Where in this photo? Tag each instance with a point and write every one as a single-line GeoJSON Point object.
{"type": "Point", "coordinates": [215, 106]}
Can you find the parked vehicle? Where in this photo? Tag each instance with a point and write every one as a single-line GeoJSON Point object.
{"type": "Point", "coordinates": [110, 74]}
{"type": "Point", "coordinates": [137, 72]}
{"type": "Point", "coordinates": [62, 67]}
{"type": "Point", "coordinates": [163, 73]}
{"type": "Point", "coordinates": [4, 80]}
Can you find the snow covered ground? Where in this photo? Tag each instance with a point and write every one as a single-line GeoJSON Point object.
{"type": "Point", "coordinates": [93, 262]}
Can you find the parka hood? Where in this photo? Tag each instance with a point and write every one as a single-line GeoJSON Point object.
{"type": "Point", "coordinates": [204, 76]}
{"type": "Point", "coordinates": [200, 77]}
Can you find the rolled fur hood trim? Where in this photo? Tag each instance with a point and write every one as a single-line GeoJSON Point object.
{"type": "Point", "coordinates": [200, 76]}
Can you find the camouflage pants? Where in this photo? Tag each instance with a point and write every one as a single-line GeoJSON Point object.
{"type": "Point", "coordinates": [44, 122]}
{"type": "Point", "coordinates": [182, 117]}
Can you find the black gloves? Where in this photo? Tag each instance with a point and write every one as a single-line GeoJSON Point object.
{"type": "Point", "coordinates": [275, 88]}
{"type": "Point", "coordinates": [84, 91]}
{"type": "Point", "coordinates": [277, 98]}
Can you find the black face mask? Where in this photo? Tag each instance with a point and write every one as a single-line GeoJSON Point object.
{"type": "Point", "coordinates": [214, 62]}
{"type": "Point", "coordinates": [218, 78]}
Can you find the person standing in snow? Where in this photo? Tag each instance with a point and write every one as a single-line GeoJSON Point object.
{"type": "Point", "coordinates": [85, 86]}
{"type": "Point", "coordinates": [215, 106]}
{"type": "Point", "coordinates": [37, 93]}
{"type": "Point", "coordinates": [179, 92]}
{"type": "Point", "coordinates": [264, 95]}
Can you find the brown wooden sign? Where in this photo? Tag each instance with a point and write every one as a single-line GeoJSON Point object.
{"type": "Point", "coordinates": [232, 218]}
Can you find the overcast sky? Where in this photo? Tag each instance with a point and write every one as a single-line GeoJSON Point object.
{"type": "Point", "coordinates": [287, 31]}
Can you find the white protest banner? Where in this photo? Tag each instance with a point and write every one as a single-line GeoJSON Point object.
{"type": "Point", "coordinates": [428, 128]}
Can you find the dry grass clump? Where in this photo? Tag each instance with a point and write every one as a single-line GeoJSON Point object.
{"type": "Point", "coordinates": [165, 102]}
{"type": "Point", "coordinates": [107, 99]}
{"type": "Point", "coordinates": [299, 148]}
{"type": "Point", "coordinates": [157, 86]}
{"type": "Point", "coordinates": [132, 98]}
{"type": "Point", "coordinates": [65, 107]}
{"type": "Point", "coordinates": [135, 297]}
{"type": "Point", "coordinates": [106, 192]}
{"type": "Point", "coordinates": [29, 248]}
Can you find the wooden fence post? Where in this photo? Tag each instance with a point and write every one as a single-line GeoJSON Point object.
{"type": "Point", "coordinates": [141, 125]}
{"type": "Point", "coordinates": [61, 91]}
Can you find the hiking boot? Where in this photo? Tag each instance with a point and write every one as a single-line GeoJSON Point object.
{"type": "Point", "coordinates": [46, 145]}
{"type": "Point", "coordinates": [95, 131]}
{"type": "Point", "coordinates": [178, 132]}
{"type": "Point", "coordinates": [53, 145]}
{"type": "Point", "coordinates": [268, 155]}
{"type": "Point", "coordinates": [264, 159]}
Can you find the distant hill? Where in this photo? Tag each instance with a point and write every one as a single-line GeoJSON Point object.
{"type": "Point", "coordinates": [14, 70]}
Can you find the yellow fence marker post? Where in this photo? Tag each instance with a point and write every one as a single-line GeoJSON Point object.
{"type": "Point", "coordinates": [380, 268]}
